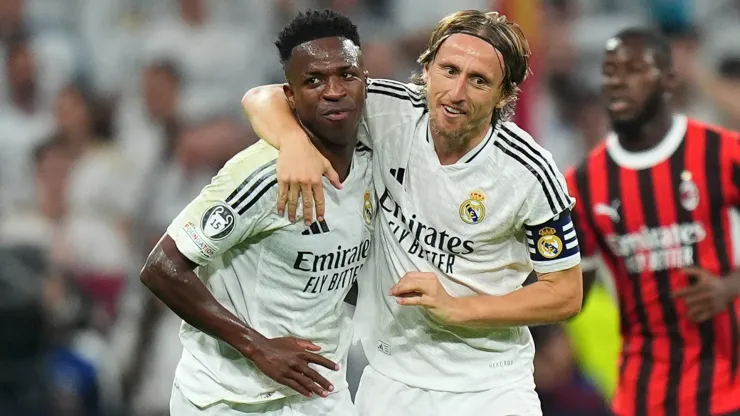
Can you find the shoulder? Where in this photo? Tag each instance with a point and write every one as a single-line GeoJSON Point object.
{"type": "Point", "coordinates": [387, 97]}
{"type": "Point", "coordinates": [395, 89]}
{"type": "Point", "coordinates": [259, 156]}
{"type": "Point", "coordinates": [531, 168]}
{"type": "Point", "coordinates": [522, 155]}
{"type": "Point", "coordinates": [248, 178]}
{"type": "Point", "coordinates": [697, 128]}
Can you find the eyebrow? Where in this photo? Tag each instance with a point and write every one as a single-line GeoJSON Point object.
{"type": "Point", "coordinates": [474, 73]}
{"type": "Point", "coordinates": [320, 71]}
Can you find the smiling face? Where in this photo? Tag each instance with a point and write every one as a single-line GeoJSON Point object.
{"type": "Point", "coordinates": [634, 83]}
{"type": "Point", "coordinates": [326, 87]}
{"type": "Point", "coordinates": [463, 88]}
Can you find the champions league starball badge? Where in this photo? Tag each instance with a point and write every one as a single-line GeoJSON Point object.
{"type": "Point", "coordinates": [218, 222]}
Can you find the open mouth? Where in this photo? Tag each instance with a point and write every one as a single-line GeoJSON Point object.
{"type": "Point", "coordinates": [337, 115]}
{"type": "Point", "coordinates": [452, 111]}
{"type": "Point", "coordinates": [618, 104]}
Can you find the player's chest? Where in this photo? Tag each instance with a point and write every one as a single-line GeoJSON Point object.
{"type": "Point", "coordinates": [655, 222]}
{"type": "Point", "coordinates": [447, 211]}
{"type": "Point", "coordinates": [323, 258]}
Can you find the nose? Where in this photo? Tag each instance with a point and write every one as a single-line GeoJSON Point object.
{"type": "Point", "coordinates": [334, 89]}
{"type": "Point", "coordinates": [614, 81]}
{"type": "Point", "coordinates": [457, 92]}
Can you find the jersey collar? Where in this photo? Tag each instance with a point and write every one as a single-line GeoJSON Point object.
{"type": "Point", "coordinates": [648, 158]}
{"type": "Point", "coordinates": [474, 152]}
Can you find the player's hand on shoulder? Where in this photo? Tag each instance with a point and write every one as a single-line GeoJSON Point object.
{"type": "Point", "coordinates": [286, 360]}
{"type": "Point", "coordinates": [424, 289]}
{"type": "Point", "coordinates": [707, 296]}
{"type": "Point", "coordinates": [300, 167]}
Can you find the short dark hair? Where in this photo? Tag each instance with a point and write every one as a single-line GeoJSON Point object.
{"type": "Point", "coordinates": [654, 40]}
{"type": "Point", "coordinates": [312, 25]}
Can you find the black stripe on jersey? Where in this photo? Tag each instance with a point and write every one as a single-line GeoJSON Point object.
{"type": "Point", "coordinates": [736, 175]}
{"type": "Point", "coordinates": [555, 198]}
{"type": "Point", "coordinates": [248, 198]}
{"type": "Point", "coordinates": [395, 85]}
{"type": "Point", "coordinates": [707, 336]}
{"type": "Point", "coordinates": [414, 102]}
{"type": "Point", "coordinates": [256, 198]}
{"type": "Point", "coordinates": [714, 178]}
{"type": "Point", "coordinates": [614, 190]}
{"type": "Point", "coordinates": [251, 176]}
{"type": "Point", "coordinates": [537, 154]}
{"type": "Point", "coordinates": [676, 349]}
{"type": "Point", "coordinates": [488, 140]}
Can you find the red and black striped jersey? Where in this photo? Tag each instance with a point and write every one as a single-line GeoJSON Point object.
{"type": "Point", "coordinates": [648, 215]}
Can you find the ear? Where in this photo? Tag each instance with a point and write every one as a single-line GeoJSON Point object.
{"type": "Point", "coordinates": [504, 101]}
{"type": "Point", "coordinates": [290, 95]}
{"type": "Point", "coordinates": [425, 74]}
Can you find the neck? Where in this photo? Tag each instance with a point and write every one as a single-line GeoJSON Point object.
{"type": "Point", "coordinates": [450, 151]}
{"type": "Point", "coordinates": [646, 135]}
{"type": "Point", "coordinates": [339, 155]}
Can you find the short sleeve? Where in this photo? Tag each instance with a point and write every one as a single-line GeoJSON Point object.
{"type": "Point", "coordinates": [730, 155]}
{"type": "Point", "coordinates": [233, 207]}
{"type": "Point", "coordinates": [388, 105]}
{"type": "Point", "coordinates": [584, 231]}
{"type": "Point", "coordinates": [546, 209]}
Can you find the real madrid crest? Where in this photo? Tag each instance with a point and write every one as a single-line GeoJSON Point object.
{"type": "Point", "coordinates": [472, 210]}
{"type": "Point", "coordinates": [367, 208]}
{"type": "Point", "coordinates": [688, 192]}
{"type": "Point", "coordinates": [549, 245]}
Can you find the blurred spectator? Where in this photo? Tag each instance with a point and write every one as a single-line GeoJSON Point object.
{"type": "Point", "coordinates": [41, 224]}
{"type": "Point", "coordinates": [146, 125]}
{"type": "Point", "coordinates": [24, 123]}
{"type": "Point", "coordinates": [97, 169]}
{"type": "Point", "coordinates": [214, 58]}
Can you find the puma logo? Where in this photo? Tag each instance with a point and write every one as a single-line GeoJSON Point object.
{"type": "Point", "coordinates": [611, 211]}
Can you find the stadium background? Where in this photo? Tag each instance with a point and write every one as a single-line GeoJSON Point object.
{"type": "Point", "coordinates": [145, 97]}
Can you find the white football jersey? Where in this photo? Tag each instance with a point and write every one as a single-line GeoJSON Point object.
{"type": "Point", "coordinates": [481, 225]}
{"type": "Point", "coordinates": [279, 278]}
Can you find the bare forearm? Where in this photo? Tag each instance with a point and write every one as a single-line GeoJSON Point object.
{"type": "Point", "coordinates": [270, 114]}
{"type": "Point", "coordinates": [542, 302]}
{"type": "Point", "coordinates": [186, 295]}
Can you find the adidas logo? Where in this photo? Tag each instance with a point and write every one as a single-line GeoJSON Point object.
{"type": "Point", "coordinates": [398, 174]}
{"type": "Point", "coordinates": [316, 228]}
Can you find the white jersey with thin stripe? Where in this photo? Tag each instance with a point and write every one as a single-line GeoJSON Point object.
{"type": "Point", "coordinates": [480, 225]}
{"type": "Point", "coordinates": [280, 278]}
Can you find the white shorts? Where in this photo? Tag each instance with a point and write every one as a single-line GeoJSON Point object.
{"type": "Point", "coordinates": [379, 395]}
{"type": "Point", "coordinates": [337, 404]}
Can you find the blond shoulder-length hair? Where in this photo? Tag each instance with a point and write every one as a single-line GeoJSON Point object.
{"type": "Point", "coordinates": [507, 37]}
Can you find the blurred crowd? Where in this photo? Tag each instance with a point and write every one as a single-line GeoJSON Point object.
{"type": "Point", "coordinates": [115, 113]}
